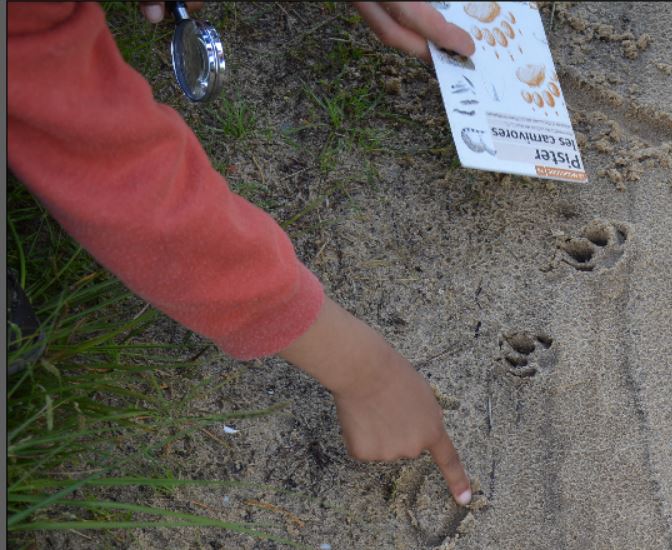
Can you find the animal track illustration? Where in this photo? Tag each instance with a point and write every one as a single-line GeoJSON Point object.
{"type": "Point", "coordinates": [497, 28]}
{"type": "Point", "coordinates": [523, 353]}
{"type": "Point", "coordinates": [534, 77]}
{"type": "Point", "coordinates": [600, 245]}
{"type": "Point", "coordinates": [473, 139]}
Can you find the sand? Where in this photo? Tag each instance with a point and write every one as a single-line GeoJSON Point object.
{"type": "Point", "coordinates": [541, 312]}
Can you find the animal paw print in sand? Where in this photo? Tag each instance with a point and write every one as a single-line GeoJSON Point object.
{"type": "Point", "coordinates": [496, 29]}
{"type": "Point", "coordinates": [524, 353]}
{"type": "Point", "coordinates": [422, 501]}
{"type": "Point", "coordinates": [601, 245]}
{"type": "Point", "coordinates": [541, 92]}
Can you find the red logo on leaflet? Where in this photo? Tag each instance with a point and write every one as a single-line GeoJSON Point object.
{"type": "Point", "coordinates": [560, 173]}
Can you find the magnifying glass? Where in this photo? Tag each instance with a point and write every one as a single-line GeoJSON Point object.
{"type": "Point", "coordinates": [198, 56]}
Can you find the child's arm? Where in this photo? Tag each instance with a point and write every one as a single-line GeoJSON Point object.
{"type": "Point", "coordinates": [128, 179]}
{"type": "Point", "coordinates": [386, 409]}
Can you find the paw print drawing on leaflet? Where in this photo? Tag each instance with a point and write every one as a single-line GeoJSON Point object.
{"type": "Point", "coordinates": [540, 92]}
{"type": "Point", "coordinates": [497, 32]}
{"type": "Point", "coordinates": [501, 33]}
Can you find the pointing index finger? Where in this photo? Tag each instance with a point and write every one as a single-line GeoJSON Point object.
{"type": "Point", "coordinates": [429, 23]}
{"type": "Point", "coordinates": [446, 458]}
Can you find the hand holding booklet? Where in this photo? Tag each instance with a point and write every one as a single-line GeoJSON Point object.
{"type": "Point", "coordinates": [505, 105]}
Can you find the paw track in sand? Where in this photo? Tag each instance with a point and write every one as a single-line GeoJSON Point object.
{"type": "Point", "coordinates": [599, 246]}
{"type": "Point", "coordinates": [524, 353]}
{"type": "Point", "coordinates": [423, 505]}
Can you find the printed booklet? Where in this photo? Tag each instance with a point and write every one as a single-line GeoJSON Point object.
{"type": "Point", "coordinates": [505, 105]}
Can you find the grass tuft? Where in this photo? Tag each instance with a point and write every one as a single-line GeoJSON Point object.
{"type": "Point", "coordinates": [90, 414]}
{"type": "Point", "coordinates": [233, 119]}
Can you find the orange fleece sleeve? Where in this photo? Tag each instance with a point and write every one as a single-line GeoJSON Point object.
{"type": "Point", "coordinates": [127, 178]}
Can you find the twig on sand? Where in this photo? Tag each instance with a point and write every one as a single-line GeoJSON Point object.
{"type": "Point", "coordinates": [319, 252]}
{"type": "Point", "coordinates": [261, 172]}
{"type": "Point", "coordinates": [140, 313]}
{"type": "Point", "coordinates": [288, 176]}
{"type": "Point", "coordinates": [273, 508]}
{"type": "Point", "coordinates": [215, 437]}
{"type": "Point", "coordinates": [201, 505]}
{"type": "Point", "coordinates": [80, 534]}
{"type": "Point", "coordinates": [489, 414]}
{"type": "Point", "coordinates": [311, 31]}
{"type": "Point", "coordinates": [433, 357]}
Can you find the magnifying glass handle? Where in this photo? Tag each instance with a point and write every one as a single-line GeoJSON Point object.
{"type": "Point", "coordinates": [179, 10]}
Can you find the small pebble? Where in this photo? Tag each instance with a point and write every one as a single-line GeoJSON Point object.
{"type": "Point", "coordinates": [393, 86]}
{"type": "Point", "coordinates": [325, 546]}
{"type": "Point", "coordinates": [644, 41]}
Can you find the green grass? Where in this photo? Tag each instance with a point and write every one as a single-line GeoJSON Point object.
{"type": "Point", "coordinates": [344, 107]}
{"type": "Point", "coordinates": [137, 39]}
{"type": "Point", "coordinates": [346, 115]}
{"type": "Point", "coordinates": [95, 402]}
{"type": "Point", "coordinates": [90, 420]}
{"type": "Point", "coordinates": [345, 53]}
{"type": "Point", "coordinates": [233, 119]}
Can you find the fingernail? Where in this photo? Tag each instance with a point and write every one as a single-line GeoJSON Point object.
{"type": "Point", "coordinates": [154, 13]}
{"type": "Point", "coordinates": [464, 498]}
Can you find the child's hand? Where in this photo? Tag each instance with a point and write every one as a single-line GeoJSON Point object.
{"type": "Point", "coordinates": [386, 409]}
{"type": "Point", "coordinates": [399, 418]}
{"type": "Point", "coordinates": [155, 11]}
{"type": "Point", "coordinates": [408, 26]}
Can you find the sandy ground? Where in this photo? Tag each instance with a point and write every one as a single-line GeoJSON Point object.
{"type": "Point", "coordinates": [541, 312]}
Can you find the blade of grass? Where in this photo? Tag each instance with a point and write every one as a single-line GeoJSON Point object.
{"type": "Point", "coordinates": [51, 499]}
{"type": "Point", "coordinates": [189, 520]}
{"type": "Point", "coordinates": [41, 290]}
{"type": "Point", "coordinates": [19, 249]}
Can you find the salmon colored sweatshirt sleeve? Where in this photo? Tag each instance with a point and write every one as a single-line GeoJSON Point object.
{"type": "Point", "coordinates": [128, 179]}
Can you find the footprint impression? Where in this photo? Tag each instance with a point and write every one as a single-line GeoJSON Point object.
{"type": "Point", "coordinates": [422, 500]}
{"type": "Point", "coordinates": [600, 246]}
{"type": "Point", "coordinates": [524, 353]}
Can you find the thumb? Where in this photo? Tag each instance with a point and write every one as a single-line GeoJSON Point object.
{"type": "Point", "coordinates": [153, 11]}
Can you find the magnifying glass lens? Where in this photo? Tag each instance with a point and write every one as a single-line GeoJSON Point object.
{"type": "Point", "coordinates": [190, 58]}
{"type": "Point", "coordinates": [198, 55]}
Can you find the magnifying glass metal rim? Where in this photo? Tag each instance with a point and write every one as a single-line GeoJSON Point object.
{"type": "Point", "coordinates": [212, 45]}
